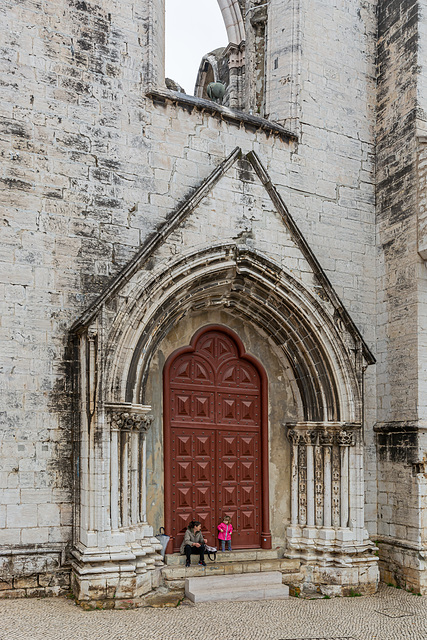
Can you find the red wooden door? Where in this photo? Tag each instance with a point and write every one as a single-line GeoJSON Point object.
{"type": "Point", "coordinates": [213, 430]}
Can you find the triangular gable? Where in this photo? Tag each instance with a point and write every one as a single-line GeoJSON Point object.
{"type": "Point", "coordinates": [182, 214]}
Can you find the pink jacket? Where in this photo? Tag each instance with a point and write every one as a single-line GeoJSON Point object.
{"type": "Point", "coordinates": [225, 531]}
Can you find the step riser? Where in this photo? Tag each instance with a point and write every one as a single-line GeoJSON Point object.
{"type": "Point", "coordinates": [244, 595]}
{"type": "Point", "coordinates": [240, 587]}
{"type": "Point", "coordinates": [233, 556]}
{"type": "Point", "coordinates": [217, 582]}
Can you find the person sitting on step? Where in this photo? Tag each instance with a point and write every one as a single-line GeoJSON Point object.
{"type": "Point", "coordinates": [194, 542]}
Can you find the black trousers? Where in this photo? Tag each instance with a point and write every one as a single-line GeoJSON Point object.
{"type": "Point", "coordinates": [188, 549]}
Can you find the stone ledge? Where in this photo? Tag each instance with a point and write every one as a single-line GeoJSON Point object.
{"type": "Point", "coordinates": [284, 565]}
{"type": "Point", "coordinates": [244, 555]}
{"type": "Point", "coordinates": [238, 118]}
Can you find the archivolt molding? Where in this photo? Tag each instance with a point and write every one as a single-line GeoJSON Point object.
{"type": "Point", "coordinates": [233, 20]}
{"type": "Point", "coordinates": [257, 290]}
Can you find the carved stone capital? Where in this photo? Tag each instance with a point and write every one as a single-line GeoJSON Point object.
{"type": "Point", "coordinates": [326, 438]}
{"type": "Point", "coordinates": [345, 438]}
{"type": "Point", "coordinates": [125, 421]}
{"type": "Point", "coordinates": [294, 436]}
{"type": "Point", "coordinates": [310, 437]}
{"type": "Point", "coordinates": [128, 417]}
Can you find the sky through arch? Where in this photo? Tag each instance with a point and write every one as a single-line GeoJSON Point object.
{"type": "Point", "coordinates": [193, 28]}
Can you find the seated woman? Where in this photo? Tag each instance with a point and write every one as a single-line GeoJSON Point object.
{"type": "Point", "coordinates": [194, 542]}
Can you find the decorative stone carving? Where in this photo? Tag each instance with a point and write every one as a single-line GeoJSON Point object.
{"type": "Point", "coordinates": [326, 438]}
{"type": "Point", "coordinates": [294, 436]}
{"type": "Point", "coordinates": [302, 476]}
{"type": "Point", "coordinates": [124, 421]}
{"type": "Point", "coordinates": [345, 438]}
{"type": "Point", "coordinates": [310, 437]}
{"type": "Point", "coordinates": [318, 477]}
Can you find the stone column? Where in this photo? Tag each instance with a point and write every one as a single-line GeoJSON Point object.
{"type": "Point", "coordinates": [336, 486]}
{"type": "Point", "coordinates": [236, 66]}
{"type": "Point", "coordinates": [114, 470]}
{"type": "Point", "coordinates": [345, 439]}
{"type": "Point", "coordinates": [326, 504]}
{"type": "Point", "coordinates": [128, 485]}
{"type": "Point", "coordinates": [119, 557]}
{"type": "Point", "coordinates": [302, 483]}
{"type": "Point", "coordinates": [318, 480]}
{"type": "Point", "coordinates": [310, 438]}
{"type": "Point", "coordinates": [327, 440]}
{"type": "Point", "coordinates": [324, 476]}
{"type": "Point", "coordinates": [91, 406]}
{"type": "Point", "coordinates": [142, 478]}
{"type": "Point", "coordinates": [294, 438]}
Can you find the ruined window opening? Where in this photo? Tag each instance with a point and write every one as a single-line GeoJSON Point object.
{"type": "Point", "coordinates": [194, 29]}
{"type": "Point", "coordinates": [188, 24]}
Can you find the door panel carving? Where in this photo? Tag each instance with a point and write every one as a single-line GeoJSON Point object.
{"type": "Point", "coordinates": [213, 430]}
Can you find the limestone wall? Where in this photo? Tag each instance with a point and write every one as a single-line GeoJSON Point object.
{"type": "Point", "coordinates": [74, 164]}
{"type": "Point", "coordinates": [401, 284]}
{"type": "Point", "coordinates": [91, 167]}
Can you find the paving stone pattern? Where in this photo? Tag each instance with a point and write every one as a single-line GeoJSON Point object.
{"type": "Point", "coordinates": [293, 619]}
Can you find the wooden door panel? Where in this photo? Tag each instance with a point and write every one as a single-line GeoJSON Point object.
{"type": "Point", "coordinates": [202, 499]}
{"type": "Point", "coordinates": [247, 470]}
{"type": "Point", "coordinates": [229, 497]}
{"type": "Point", "coordinates": [203, 446]}
{"type": "Point", "coordinates": [181, 521]}
{"type": "Point", "coordinates": [203, 472]}
{"type": "Point", "coordinates": [228, 446]}
{"type": "Point", "coordinates": [229, 470]}
{"type": "Point", "coordinates": [247, 520]}
{"type": "Point", "coordinates": [247, 496]}
{"type": "Point", "coordinates": [247, 445]}
{"type": "Point", "coordinates": [238, 460]}
{"type": "Point", "coordinates": [214, 421]}
{"type": "Point", "coordinates": [193, 407]}
{"type": "Point", "coordinates": [184, 471]}
{"type": "Point", "coordinates": [183, 446]}
{"type": "Point", "coordinates": [184, 498]}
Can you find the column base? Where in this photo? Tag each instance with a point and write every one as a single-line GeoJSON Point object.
{"type": "Point", "coordinates": [265, 540]}
{"type": "Point", "coordinates": [113, 573]}
{"type": "Point", "coordinates": [335, 563]}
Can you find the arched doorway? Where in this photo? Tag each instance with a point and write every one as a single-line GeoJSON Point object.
{"type": "Point", "coordinates": [215, 439]}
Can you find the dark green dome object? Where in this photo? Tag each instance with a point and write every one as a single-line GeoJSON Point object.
{"type": "Point", "coordinates": [216, 91]}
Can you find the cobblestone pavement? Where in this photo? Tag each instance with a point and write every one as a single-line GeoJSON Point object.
{"type": "Point", "coordinates": [389, 615]}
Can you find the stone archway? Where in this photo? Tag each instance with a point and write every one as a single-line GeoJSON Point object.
{"type": "Point", "coordinates": [233, 20]}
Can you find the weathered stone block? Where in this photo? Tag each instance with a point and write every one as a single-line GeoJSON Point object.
{"type": "Point", "coordinates": [251, 567]}
{"type": "Point", "coordinates": [13, 593]}
{"type": "Point", "coordinates": [24, 583]}
{"type": "Point", "coordinates": [6, 584]}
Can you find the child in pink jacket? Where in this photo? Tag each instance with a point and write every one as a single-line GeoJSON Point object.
{"type": "Point", "coordinates": [225, 529]}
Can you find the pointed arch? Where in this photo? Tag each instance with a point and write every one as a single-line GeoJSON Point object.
{"type": "Point", "coordinates": [248, 284]}
{"type": "Point", "coordinates": [233, 20]}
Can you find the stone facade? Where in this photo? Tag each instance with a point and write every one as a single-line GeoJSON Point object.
{"type": "Point", "coordinates": [133, 215]}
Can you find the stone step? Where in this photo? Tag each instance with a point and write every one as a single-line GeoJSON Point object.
{"type": "Point", "coordinates": [180, 571]}
{"type": "Point", "coordinates": [244, 555]}
{"type": "Point", "coordinates": [266, 586]}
